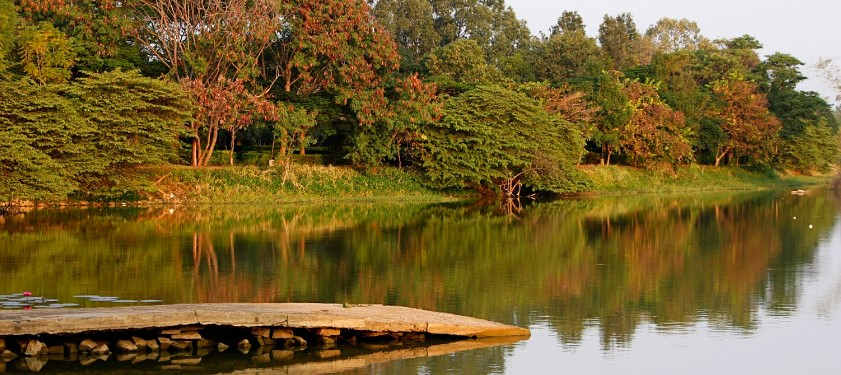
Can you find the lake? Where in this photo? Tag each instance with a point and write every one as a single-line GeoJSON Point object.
{"type": "Point", "coordinates": [699, 284]}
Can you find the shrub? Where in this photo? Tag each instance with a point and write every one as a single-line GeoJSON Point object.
{"type": "Point", "coordinates": [493, 137]}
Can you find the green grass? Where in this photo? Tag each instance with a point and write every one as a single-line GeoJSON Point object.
{"type": "Point", "coordinates": [694, 178]}
{"type": "Point", "coordinates": [249, 184]}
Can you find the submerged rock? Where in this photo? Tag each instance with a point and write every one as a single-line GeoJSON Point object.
{"type": "Point", "coordinates": [87, 345]}
{"type": "Point", "coordinates": [7, 355]}
{"type": "Point", "coordinates": [126, 346]}
{"type": "Point", "coordinates": [139, 342]}
{"type": "Point", "coordinates": [101, 349]}
{"type": "Point", "coordinates": [244, 346]}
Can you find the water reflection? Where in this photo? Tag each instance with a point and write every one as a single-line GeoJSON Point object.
{"type": "Point", "coordinates": [610, 265]}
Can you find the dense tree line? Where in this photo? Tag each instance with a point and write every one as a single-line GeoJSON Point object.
{"type": "Point", "coordinates": [459, 90]}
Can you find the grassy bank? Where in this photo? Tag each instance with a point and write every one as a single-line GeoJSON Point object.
{"type": "Point", "coordinates": [249, 184]}
{"type": "Point", "coordinates": [695, 178]}
{"type": "Point", "coordinates": [320, 183]}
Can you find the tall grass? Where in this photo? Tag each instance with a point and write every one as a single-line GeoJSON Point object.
{"type": "Point", "coordinates": [297, 182]}
{"type": "Point", "coordinates": [694, 178]}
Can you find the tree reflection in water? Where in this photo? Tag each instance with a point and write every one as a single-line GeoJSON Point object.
{"type": "Point", "coordinates": [612, 263]}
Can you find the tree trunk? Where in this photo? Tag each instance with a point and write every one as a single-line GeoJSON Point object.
{"type": "Point", "coordinates": [302, 142]}
{"type": "Point", "coordinates": [609, 154]}
{"type": "Point", "coordinates": [719, 157]}
{"type": "Point", "coordinates": [233, 141]}
{"type": "Point", "coordinates": [195, 162]}
{"type": "Point", "coordinates": [212, 135]}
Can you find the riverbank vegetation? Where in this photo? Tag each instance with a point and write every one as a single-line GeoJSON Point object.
{"type": "Point", "coordinates": [454, 95]}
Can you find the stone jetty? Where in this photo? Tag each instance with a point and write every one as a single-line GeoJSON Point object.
{"type": "Point", "coordinates": [98, 332]}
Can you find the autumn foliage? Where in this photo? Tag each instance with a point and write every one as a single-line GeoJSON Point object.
{"type": "Point", "coordinates": [749, 127]}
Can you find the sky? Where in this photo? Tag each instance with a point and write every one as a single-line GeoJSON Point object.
{"type": "Point", "coordinates": [807, 29]}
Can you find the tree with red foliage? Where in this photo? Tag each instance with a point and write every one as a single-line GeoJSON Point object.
{"type": "Point", "coordinates": [213, 47]}
{"type": "Point", "coordinates": [335, 46]}
{"type": "Point", "coordinates": [749, 127]}
{"type": "Point", "coordinates": [655, 132]}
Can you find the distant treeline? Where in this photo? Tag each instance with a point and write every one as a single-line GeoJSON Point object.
{"type": "Point", "coordinates": [460, 91]}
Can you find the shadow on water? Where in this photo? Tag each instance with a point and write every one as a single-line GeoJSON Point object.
{"type": "Point", "coordinates": [612, 263]}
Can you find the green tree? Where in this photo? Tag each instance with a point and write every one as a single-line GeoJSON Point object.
{"type": "Point", "coordinates": [565, 55]}
{"type": "Point", "coordinates": [462, 62]}
{"type": "Point", "coordinates": [620, 39]}
{"type": "Point", "coordinates": [490, 23]}
{"type": "Point", "coordinates": [493, 138]}
{"type": "Point", "coordinates": [817, 148]}
{"type": "Point", "coordinates": [569, 21]}
{"type": "Point", "coordinates": [672, 35]}
{"type": "Point", "coordinates": [8, 26]}
{"type": "Point", "coordinates": [412, 25]}
{"type": "Point", "coordinates": [97, 29]}
{"type": "Point", "coordinates": [86, 137]}
{"type": "Point", "coordinates": [46, 54]}
{"type": "Point", "coordinates": [615, 111]}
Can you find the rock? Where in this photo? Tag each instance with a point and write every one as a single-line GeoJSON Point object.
{"type": "Point", "coordinates": [140, 343]}
{"type": "Point", "coordinates": [281, 355]}
{"type": "Point", "coordinates": [327, 332]}
{"type": "Point", "coordinates": [165, 343]}
{"type": "Point", "coordinates": [175, 331]}
{"type": "Point", "coordinates": [282, 333]}
{"type": "Point", "coordinates": [101, 349]}
{"type": "Point", "coordinates": [126, 346]}
{"type": "Point", "coordinates": [2, 366]}
{"type": "Point", "coordinates": [152, 345]}
{"type": "Point", "coordinates": [182, 346]}
{"type": "Point", "coordinates": [187, 336]}
{"type": "Point", "coordinates": [33, 348]}
{"type": "Point", "coordinates": [2, 344]}
{"type": "Point", "coordinates": [55, 349]}
{"type": "Point", "coordinates": [244, 346]}
{"type": "Point", "coordinates": [299, 341]}
{"type": "Point", "coordinates": [261, 332]}
{"type": "Point", "coordinates": [204, 343]}
{"type": "Point", "coordinates": [87, 345]}
{"type": "Point", "coordinates": [222, 347]}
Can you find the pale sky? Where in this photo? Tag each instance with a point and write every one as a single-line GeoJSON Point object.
{"type": "Point", "coordinates": [807, 29]}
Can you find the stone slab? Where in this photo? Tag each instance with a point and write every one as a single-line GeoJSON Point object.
{"type": "Point", "coordinates": [292, 315]}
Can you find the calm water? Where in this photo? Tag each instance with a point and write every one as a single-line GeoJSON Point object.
{"type": "Point", "coordinates": [688, 284]}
